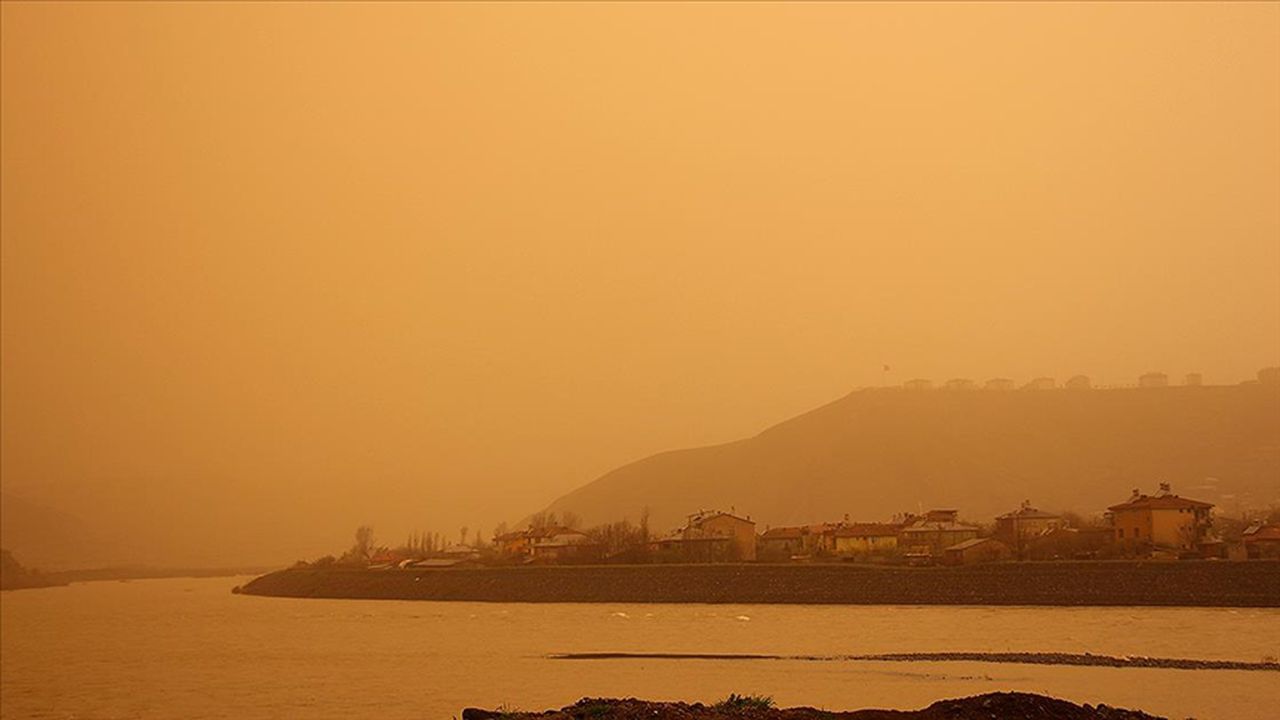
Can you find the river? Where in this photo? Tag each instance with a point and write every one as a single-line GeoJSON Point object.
{"type": "Point", "coordinates": [188, 648]}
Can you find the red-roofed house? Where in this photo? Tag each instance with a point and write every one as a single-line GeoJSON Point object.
{"type": "Point", "coordinates": [1162, 520]}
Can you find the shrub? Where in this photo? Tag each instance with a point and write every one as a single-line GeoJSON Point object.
{"type": "Point", "coordinates": [745, 702]}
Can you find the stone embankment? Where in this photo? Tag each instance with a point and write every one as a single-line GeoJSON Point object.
{"type": "Point", "coordinates": [1025, 706]}
{"type": "Point", "coordinates": [1188, 583]}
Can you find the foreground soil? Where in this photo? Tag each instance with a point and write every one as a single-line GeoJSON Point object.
{"type": "Point", "coordinates": [1191, 583]}
{"type": "Point", "coordinates": [1024, 706]}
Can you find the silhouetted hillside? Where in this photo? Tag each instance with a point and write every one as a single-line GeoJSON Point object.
{"type": "Point", "coordinates": [52, 539]}
{"type": "Point", "coordinates": [880, 451]}
{"type": "Point", "coordinates": [14, 576]}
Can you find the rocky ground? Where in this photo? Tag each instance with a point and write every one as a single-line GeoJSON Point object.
{"type": "Point", "coordinates": [991, 706]}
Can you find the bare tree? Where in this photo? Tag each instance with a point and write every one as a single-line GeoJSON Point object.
{"type": "Point", "coordinates": [571, 520]}
{"type": "Point", "coordinates": [365, 543]}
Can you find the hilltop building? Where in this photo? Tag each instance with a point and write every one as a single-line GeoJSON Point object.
{"type": "Point", "coordinates": [918, 384]}
{"type": "Point", "coordinates": [960, 384]}
{"type": "Point", "coordinates": [1041, 383]}
{"type": "Point", "coordinates": [998, 384]}
{"type": "Point", "coordinates": [1078, 382]}
{"type": "Point", "coordinates": [1153, 380]}
{"type": "Point", "coordinates": [1194, 380]}
{"type": "Point", "coordinates": [1163, 520]}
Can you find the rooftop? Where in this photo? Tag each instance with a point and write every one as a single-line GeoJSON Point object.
{"type": "Point", "coordinates": [868, 530]}
{"type": "Point", "coordinates": [970, 543]}
{"type": "Point", "coordinates": [1026, 512]}
{"type": "Point", "coordinates": [1160, 502]}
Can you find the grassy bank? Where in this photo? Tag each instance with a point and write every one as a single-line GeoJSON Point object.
{"type": "Point", "coordinates": [1206, 583]}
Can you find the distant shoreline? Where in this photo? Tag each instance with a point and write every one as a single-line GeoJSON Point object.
{"type": "Point", "coordinates": [62, 578]}
{"type": "Point", "coordinates": [1025, 658]}
{"type": "Point", "coordinates": [1112, 583]}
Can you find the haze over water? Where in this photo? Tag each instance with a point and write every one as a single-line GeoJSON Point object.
{"type": "Point", "coordinates": [189, 648]}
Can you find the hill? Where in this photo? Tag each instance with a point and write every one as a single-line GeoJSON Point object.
{"type": "Point", "coordinates": [53, 539]}
{"type": "Point", "coordinates": [877, 452]}
{"type": "Point", "coordinates": [14, 576]}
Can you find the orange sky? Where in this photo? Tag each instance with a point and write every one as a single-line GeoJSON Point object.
{"type": "Point", "coordinates": [270, 271]}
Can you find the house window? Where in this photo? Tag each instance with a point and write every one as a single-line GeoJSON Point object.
{"type": "Point", "coordinates": [1120, 532]}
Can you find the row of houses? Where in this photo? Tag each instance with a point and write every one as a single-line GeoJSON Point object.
{"type": "Point", "coordinates": [1266, 376]}
{"type": "Point", "coordinates": [1143, 524]}
{"type": "Point", "coordinates": [1076, 382]}
{"type": "Point", "coordinates": [935, 535]}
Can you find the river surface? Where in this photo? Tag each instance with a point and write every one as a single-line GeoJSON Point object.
{"type": "Point", "coordinates": [188, 648]}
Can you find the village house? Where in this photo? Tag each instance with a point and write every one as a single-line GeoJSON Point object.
{"type": "Point", "coordinates": [929, 536]}
{"type": "Point", "coordinates": [1262, 541]}
{"type": "Point", "coordinates": [710, 536]}
{"type": "Point", "coordinates": [918, 384]}
{"type": "Point", "coordinates": [782, 542]}
{"type": "Point", "coordinates": [1041, 383]}
{"type": "Point", "coordinates": [513, 543]}
{"type": "Point", "coordinates": [859, 539]}
{"type": "Point", "coordinates": [1016, 529]}
{"type": "Point", "coordinates": [998, 384]}
{"type": "Point", "coordinates": [1067, 543]}
{"type": "Point", "coordinates": [558, 543]}
{"type": "Point", "coordinates": [1163, 520]}
{"type": "Point", "coordinates": [977, 550]}
{"type": "Point", "coordinates": [546, 543]}
{"type": "Point", "coordinates": [960, 384]}
{"type": "Point", "coordinates": [785, 542]}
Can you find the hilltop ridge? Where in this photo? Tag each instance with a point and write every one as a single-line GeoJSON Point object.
{"type": "Point", "coordinates": [876, 452]}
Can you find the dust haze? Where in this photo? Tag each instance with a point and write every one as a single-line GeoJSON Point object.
{"type": "Point", "coordinates": [274, 271]}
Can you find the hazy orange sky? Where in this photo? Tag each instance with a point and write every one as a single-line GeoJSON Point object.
{"type": "Point", "coordinates": [270, 271]}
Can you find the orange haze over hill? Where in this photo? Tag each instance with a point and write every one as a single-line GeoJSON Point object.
{"type": "Point", "coordinates": [271, 271]}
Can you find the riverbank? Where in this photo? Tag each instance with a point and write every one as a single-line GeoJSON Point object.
{"type": "Point", "coordinates": [1191, 584]}
{"type": "Point", "coordinates": [1024, 658]}
{"type": "Point", "coordinates": [979, 707]}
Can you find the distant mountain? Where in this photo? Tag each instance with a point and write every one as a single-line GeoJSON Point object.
{"type": "Point", "coordinates": [14, 576]}
{"type": "Point", "coordinates": [877, 452]}
{"type": "Point", "coordinates": [52, 539]}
